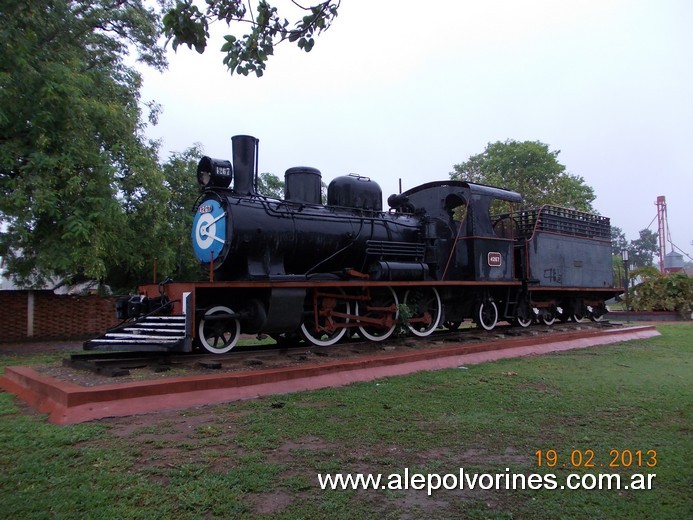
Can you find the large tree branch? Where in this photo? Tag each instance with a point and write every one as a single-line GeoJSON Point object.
{"type": "Point", "coordinates": [185, 24]}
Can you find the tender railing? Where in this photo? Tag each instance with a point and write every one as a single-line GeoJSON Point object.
{"type": "Point", "coordinates": [562, 221]}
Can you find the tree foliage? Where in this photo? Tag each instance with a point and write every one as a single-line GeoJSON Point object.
{"type": "Point", "coordinates": [82, 193]}
{"type": "Point", "coordinates": [74, 165]}
{"type": "Point", "coordinates": [158, 222]}
{"type": "Point", "coordinates": [640, 252]}
{"type": "Point", "coordinates": [270, 185]}
{"type": "Point", "coordinates": [642, 249]}
{"type": "Point", "coordinates": [671, 292]}
{"type": "Point", "coordinates": [184, 23]}
{"type": "Point", "coordinates": [618, 241]}
{"type": "Point", "coordinates": [180, 172]}
{"type": "Point", "coordinates": [529, 168]}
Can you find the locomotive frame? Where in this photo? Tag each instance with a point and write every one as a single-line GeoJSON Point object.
{"type": "Point", "coordinates": [447, 251]}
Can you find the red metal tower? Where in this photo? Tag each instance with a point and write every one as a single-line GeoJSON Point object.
{"type": "Point", "coordinates": [662, 230]}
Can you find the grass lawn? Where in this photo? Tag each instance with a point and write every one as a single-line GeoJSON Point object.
{"type": "Point", "coordinates": [627, 404]}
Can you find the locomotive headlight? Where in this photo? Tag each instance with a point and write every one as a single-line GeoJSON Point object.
{"type": "Point", "coordinates": [203, 177]}
{"type": "Point", "coordinates": [214, 172]}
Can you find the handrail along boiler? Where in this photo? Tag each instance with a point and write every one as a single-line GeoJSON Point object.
{"type": "Point", "coordinates": [446, 251]}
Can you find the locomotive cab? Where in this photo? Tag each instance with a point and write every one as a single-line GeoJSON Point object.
{"type": "Point", "coordinates": [470, 248]}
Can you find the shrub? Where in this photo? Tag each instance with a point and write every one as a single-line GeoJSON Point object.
{"type": "Point", "coordinates": [671, 292]}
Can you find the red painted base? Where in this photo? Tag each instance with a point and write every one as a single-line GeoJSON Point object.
{"type": "Point", "coordinates": [68, 403]}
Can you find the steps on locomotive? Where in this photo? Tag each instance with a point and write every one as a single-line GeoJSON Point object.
{"type": "Point", "coordinates": [150, 333]}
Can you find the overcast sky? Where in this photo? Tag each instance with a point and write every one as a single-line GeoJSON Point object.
{"type": "Point", "coordinates": [406, 89]}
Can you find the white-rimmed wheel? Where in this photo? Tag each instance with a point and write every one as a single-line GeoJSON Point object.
{"type": "Point", "coordinates": [325, 317]}
{"type": "Point", "coordinates": [524, 316]}
{"type": "Point", "coordinates": [596, 313]}
{"type": "Point", "coordinates": [486, 314]}
{"type": "Point", "coordinates": [579, 313]}
{"type": "Point", "coordinates": [523, 322]}
{"type": "Point", "coordinates": [547, 317]}
{"type": "Point", "coordinates": [379, 314]}
{"type": "Point", "coordinates": [426, 309]}
{"type": "Point", "coordinates": [218, 332]}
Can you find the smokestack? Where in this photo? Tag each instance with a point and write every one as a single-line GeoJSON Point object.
{"type": "Point", "coordinates": [244, 163]}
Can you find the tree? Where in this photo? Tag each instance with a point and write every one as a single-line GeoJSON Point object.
{"type": "Point", "coordinates": [618, 245]}
{"type": "Point", "coordinates": [74, 163]}
{"type": "Point", "coordinates": [642, 249]}
{"type": "Point", "coordinates": [618, 241]}
{"type": "Point", "coordinates": [270, 185]}
{"type": "Point", "coordinates": [184, 23]}
{"type": "Point", "coordinates": [157, 226]}
{"type": "Point", "coordinates": [180, 172]}
{"type": "Point", "coordinates": [529, 168]}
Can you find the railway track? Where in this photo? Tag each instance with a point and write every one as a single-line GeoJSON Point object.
{"type": "Point", "coordinates": [115, 364]}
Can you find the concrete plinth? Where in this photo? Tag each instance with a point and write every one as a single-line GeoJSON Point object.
{"type": "Point", "coordinates": [68, 403]}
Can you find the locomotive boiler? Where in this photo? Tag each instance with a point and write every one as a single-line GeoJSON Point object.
{"type": "Point", "coordinates": [444, 252]}
{"type": "Point", "coordinates": [246, 236]}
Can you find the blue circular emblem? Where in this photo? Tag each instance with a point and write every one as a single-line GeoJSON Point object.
{"type": "Point", "coordinates": [209, 231]}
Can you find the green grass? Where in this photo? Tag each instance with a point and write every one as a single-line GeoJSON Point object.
{"type": "Point", "coordinates": [33, 359]}
{"type": "Point", "coordinates": [261, 458]}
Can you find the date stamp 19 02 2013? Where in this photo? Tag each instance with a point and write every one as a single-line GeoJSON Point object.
{"type": "Point", "coordinates": [589, 458]}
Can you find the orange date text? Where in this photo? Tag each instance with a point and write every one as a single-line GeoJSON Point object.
{"type": "Point", "coordinates": [588, 458]}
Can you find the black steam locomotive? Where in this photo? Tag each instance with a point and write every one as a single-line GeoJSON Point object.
{"type": "Point", "coordinates": [445, 251]}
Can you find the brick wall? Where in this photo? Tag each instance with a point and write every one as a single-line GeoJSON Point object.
{"type": "Point", "coordinates": [13, 309]}
{"type": "Point", "coordinates": [40, 315]}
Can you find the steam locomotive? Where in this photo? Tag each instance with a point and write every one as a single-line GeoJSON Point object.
{"type": "Point", "coordinates": [445, 252]}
